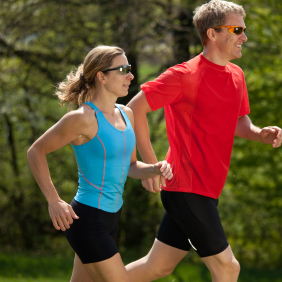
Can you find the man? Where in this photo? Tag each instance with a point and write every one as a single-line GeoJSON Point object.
{"type": "Point", "coordinates": [206, 104]}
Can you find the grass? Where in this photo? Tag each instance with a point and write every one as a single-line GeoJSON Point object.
{"type": "Point", "coordinates": [27, 268]}
{"type": "Point", "coordinates": [31, 268]}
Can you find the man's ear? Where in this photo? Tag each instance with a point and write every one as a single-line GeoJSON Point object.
{"type": "Point", "coordinates": [211, 33]}
{"type": "Point", "coordinates": [101, 77]}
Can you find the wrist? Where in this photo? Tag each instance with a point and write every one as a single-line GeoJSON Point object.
{"type": "Point", "coordinates": [53, 199]}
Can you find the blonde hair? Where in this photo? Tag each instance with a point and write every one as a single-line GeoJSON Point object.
{"type": "Point", "coordinates": [214, 14]}
{"type": "Point", "coordinates": [79, 85]}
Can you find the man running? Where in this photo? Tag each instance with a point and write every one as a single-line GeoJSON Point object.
{"type": "Point", "coordinates": [206, 105]}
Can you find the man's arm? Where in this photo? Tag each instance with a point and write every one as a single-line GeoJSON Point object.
{"type": "Point", "coordinates": [140, 108]}
{"type": "Point", "coordinates": [268, 135]}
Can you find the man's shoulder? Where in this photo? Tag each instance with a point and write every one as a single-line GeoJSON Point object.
{"type": "Point", "coordinates": [234, 67]}
{"type": "Point", "coordinates": [187, 67]}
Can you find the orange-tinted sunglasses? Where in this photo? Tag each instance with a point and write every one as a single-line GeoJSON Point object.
{"type": "Point", "coordinates": [233, 29]}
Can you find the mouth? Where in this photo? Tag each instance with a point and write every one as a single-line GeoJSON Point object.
{"type": "Point", "coordinates": [127, 86]}
{"type": "Point", "coordinates": [239, 46]}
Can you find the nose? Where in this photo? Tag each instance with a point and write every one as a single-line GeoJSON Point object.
{"type": "Point", "coordinates": [244, 37]}
{"type": "Point", "coordinates": [130, 76]}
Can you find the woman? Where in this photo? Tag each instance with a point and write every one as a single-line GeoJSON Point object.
{"type": "Point", "coordinates": [101, 134]}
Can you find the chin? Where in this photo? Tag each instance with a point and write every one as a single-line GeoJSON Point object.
{"type": "Point", "coordinates": [238, 56]}
{"type": "Point", "coordinates": [123, 95]}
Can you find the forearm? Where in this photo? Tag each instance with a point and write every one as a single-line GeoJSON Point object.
{"type": "Point", "coordinates": [245, 129]}
{"type": "Point", "coordinates": [140, 170]}
{"type": "Point", "coordinates": [39, 168]}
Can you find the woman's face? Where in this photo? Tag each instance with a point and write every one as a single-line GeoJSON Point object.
{"type": "Point", "coordinates": [118, 81]}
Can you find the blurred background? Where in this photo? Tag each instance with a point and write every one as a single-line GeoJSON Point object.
{"type": "Point", "coordinates": [41, 41]}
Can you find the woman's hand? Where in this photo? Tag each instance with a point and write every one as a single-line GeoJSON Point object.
{"type": "Point", "coordinates": [62, 214]}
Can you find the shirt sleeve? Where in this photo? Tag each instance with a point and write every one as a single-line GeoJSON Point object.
{"type": "Point", "coordinates": [245, 107]}
{"type": "Point", "coordinates": [164, 90]}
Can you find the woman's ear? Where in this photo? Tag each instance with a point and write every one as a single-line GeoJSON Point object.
{"type": "Point", "coordinates": [101, 77]}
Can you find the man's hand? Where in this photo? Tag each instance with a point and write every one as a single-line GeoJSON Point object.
{"type": "Point", "coordinates": [61, 214]}
{"type": "Point", "coordinates": [164, 169]}
{"type": "Point", "coordinates": [271, 135]}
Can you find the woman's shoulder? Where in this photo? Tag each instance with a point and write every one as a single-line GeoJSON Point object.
{"type": "Point", "coordinates": [126, 109]}
{"type": "Point", "coordinates": [84, 115]}
{"type": "Point", "coordinates": [128, 112]}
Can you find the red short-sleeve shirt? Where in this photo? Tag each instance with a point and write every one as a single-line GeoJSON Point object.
{"type": "Point", "coordinates": [202, 103]}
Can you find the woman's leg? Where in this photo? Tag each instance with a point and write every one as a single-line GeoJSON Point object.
{"type": "Point", "coordinates": [108, 270]}
{"type": "Point", "coordinates": [79, 272]}
{"type": "Point", "coordinates": [93, 238]}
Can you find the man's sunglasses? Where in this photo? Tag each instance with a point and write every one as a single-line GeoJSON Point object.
{"type": "Point", "coordinates": [125, 69]}
{"type": "Point", "coordinates": [233, 29]}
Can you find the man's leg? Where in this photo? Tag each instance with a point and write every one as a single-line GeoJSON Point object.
{"type": "Point", "coordinates": [192, 218]}
{"type": "Point", "coordinates": [198, 218]}
{"type": "Point", "coordinates": [169, 248]}
{"type": "Point", "coordinates": [223, 266]}
{"type": "Point", "coordinates": [162, 260]}
{"type": "Point", "coordinates": [159, 262]}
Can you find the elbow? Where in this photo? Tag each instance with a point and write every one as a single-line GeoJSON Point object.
{"type": "Point", "coordinates": [30, 153]}
{"type": "Point", "coordinates": [132, 170]}
{"type": "Point", "coordinates": [33, 152]}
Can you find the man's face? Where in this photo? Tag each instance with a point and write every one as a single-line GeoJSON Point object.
{"type": "Point", "coordinates": [229, 44]}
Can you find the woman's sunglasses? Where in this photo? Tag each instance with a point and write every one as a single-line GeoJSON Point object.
{"type": "Point", "coordinates": [125, 69]}
{"type": "Point", "coordinates": [233, 29]}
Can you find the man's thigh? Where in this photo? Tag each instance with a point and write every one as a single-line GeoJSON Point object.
{"type": "Point", "coordinates": [198, 220]}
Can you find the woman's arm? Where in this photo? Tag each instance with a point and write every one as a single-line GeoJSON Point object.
{"type": "Point", "coordinates": [140, 170]}
{"type": "Point", "coordinates": [69, 128]}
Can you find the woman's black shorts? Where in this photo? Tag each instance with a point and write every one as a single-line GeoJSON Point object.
{"type": "Point", "coordinates": [93, 236]}
{"type": "Point", "coordinates": [192, 220]}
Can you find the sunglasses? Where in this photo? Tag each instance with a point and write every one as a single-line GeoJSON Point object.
{"type": "Point", "coordinates": [233, 29]}
{"type": "Point", "coordinates": [125, 69]}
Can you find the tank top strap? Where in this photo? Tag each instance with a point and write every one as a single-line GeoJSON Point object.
{"type": "Point", "coordinates": [92, 106]}
{"type": "Point", "coordinates": [123, 114]}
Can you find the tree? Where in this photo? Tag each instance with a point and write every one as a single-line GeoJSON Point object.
{"type": "Point", "coordinates": [40, 41]}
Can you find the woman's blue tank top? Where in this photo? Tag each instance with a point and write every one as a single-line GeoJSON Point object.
{"type": "Point", "coordinates": [103, 164]}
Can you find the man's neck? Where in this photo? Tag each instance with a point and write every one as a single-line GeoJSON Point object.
{"type": "Point", "coordinates": [214, 57]}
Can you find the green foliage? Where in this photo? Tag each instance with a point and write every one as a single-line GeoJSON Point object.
{"type": "Point", "coordinates": [40, 41]}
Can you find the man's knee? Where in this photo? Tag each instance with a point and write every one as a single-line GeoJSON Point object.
{"type": "Point", "coordinates": [231, 267]}
{"type": "Point", "coordinates": [235, 266]}
{"type": "Point", "coordinates": [162, 271]}
{"type": "Point", "coordinates": [159, 270]}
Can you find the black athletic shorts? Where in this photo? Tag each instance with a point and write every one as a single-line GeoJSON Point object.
{"type": "Point", "coordinates": [192, 220]}
{"type": "Point", "coordinates": [93, 236]}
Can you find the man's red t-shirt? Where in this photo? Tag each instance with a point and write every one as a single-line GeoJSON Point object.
{"type": "Point", "coordinates": [202, 103]}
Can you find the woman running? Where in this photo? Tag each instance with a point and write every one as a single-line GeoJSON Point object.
{"type": "Point", "coordinates": [102, 136]}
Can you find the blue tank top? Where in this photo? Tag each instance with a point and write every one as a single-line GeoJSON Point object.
{"type": "Point", "coordinates": [103, 164]}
